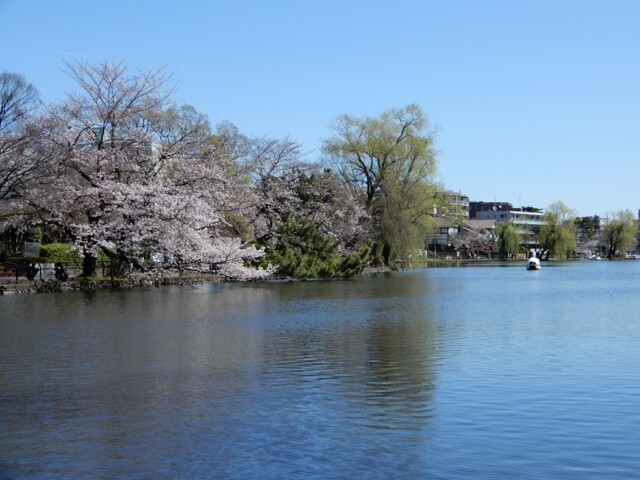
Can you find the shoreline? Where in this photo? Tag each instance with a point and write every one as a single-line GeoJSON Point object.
{"type": "Point", "coordinates": [24, 286]}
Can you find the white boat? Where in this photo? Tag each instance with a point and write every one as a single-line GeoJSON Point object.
{"type": "Point", "coordinates": [594, 257]}
{"type": "Point", "coordinates": [533, 263]}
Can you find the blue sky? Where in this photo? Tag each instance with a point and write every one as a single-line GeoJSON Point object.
{"type": "Point", "coordinates": [534, 101]}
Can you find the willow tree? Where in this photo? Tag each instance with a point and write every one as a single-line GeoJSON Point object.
{"type": "Point", "coordinates": [620, 233]}
{"type": "Point", "coordinates": [509, 238]}
{"type": "Point", "coordinates": [390, 161]}
{"type": "Point", "coordinates": [557, 235]}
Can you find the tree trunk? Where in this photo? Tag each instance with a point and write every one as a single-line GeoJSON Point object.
{"type": "Point", "coordinates": [386, 253]}
{"type": "Point", "coordinates": [89, 264]}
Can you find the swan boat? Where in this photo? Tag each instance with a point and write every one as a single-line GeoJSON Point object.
{"type": "Point", "coordinates": [533, 263]}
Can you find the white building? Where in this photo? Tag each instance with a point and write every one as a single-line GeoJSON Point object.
{"type": "Point", "coordinates": [519, 217]}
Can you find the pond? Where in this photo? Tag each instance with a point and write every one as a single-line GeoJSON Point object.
{"type": "Point", "coordinates": [478, 372]}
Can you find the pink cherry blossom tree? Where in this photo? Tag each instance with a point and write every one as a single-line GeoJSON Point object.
{"type": "Point", "coordinates": [133, 176]}
{"type": "Point", "coordinates": [307, 218]}
{"type": "Point", "coordinates": [283, 184]}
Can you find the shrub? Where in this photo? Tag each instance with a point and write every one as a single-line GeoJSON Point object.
{"type": "Point", "coordinates": [305, 252]}
{"type": "Point", "coordinates": [65, 253]}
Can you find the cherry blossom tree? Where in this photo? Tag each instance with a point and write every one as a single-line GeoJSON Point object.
{"type": "Point", "coordinates": [471, 241]}
{"type": "Point", "coordinates": [286, 198]}
{"type": "Point", "coordinates": [132, 181]}
{"type": "Point", "coordinates": [284, 185]}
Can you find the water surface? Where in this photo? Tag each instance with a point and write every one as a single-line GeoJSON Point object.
{"type": "Point", "coordinates": [481, 372]}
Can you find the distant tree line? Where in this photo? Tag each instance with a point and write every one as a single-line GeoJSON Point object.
{"type": "Point", "coordinates": [562, 236]}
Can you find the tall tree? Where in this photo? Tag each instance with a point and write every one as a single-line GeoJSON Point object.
{"type": "Point", "coordinates": [20, 158]}
{"type": "Point", "coordinates": [283, 183]}
{"type": "Point", "coordinates": [180, 129]}
{"type": "Point", "coordinates": [557, 235]}
{"type": "Point", "coordinates": [130, 179]}
{"type": "Point", "coordinates": [587, 235]}
{"type": "Point", "coordinates": [390, 161]}
{"type": "Point", "coordinates": [620, 233]}
{"type": "Point", "coordinates": [307, 218]}
{"type": "Point", "coordinates": [509, 238]}
{"type": "Point", "coordinates": [19, 100]}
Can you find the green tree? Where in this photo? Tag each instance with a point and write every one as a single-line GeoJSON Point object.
{"type": "Point", "coordinates": [390, 161]}
{"type": "Point", "coordinates": [620, 233]}
{"type": "Point", "coordinates": [557, 235]}
{"type": "Point", "coordinates": [304, 251]}
{"type": "Point", "coordinates": [509, 238]}
{"type": "Point", "coordinates": [587, 235]}
{"type": "Point", "coordinates": [180, 130]}
{"type": "Point", "coordinates": [588, 226]}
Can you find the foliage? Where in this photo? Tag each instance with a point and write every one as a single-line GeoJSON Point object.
{"type": "Point", "coordinates": [588, 227]}
{"type": "Point", "coordinates": [509, 238]}
{"type": "Point", "coordinates": [559, 241]}
{"type": "Point", "coordinates": [390, 161]}
{"type": "Point", "coordinates": [119, 169]}
{"type": "Point", "coordinates": [557, 235]}
{"type": "Point", "coordinates": [620, 234]}
{"type": "Point", "coordinates": [305, 252]}
{"type": "Point", "coordinates": [404, 223]}
{"type": "Point", "coordinates": [313, 195]}
{"type": "Point", "coordinates": [471, 241]}
{"type": "Point", "coordinates": [124, 173]}
{"type": "Point", "coordinates": [65, 253]}
{"type": "Point", "coordinates": [310, 222]}
{"type": "Point", "coordinates": [327, 202]}
{"type": "Point", "coordinates": [180, 130]}
{"type": "Point", "coordinates": [587, 235]}
{"type": "Point", "coordinates": [129, 177]}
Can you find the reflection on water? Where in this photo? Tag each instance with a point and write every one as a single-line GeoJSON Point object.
{"type": "Point", "coordinates": [442, 373]}
{"type": "Point", "coordinates": [372, 346]}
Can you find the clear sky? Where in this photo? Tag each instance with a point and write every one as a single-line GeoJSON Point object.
{"type": "Point", "coordinates": [534, 101]}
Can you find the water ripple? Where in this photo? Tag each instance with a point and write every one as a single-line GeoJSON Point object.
{"type": "Point", "coordinates": [436, 374]}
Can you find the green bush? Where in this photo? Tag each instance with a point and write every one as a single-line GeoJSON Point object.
{"type": "Point", "coordinates": [69, 255]}
{"type": "Point", "coordinates": [65, 253]}
{"type": "Point", "coordinates": [305, 252]}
